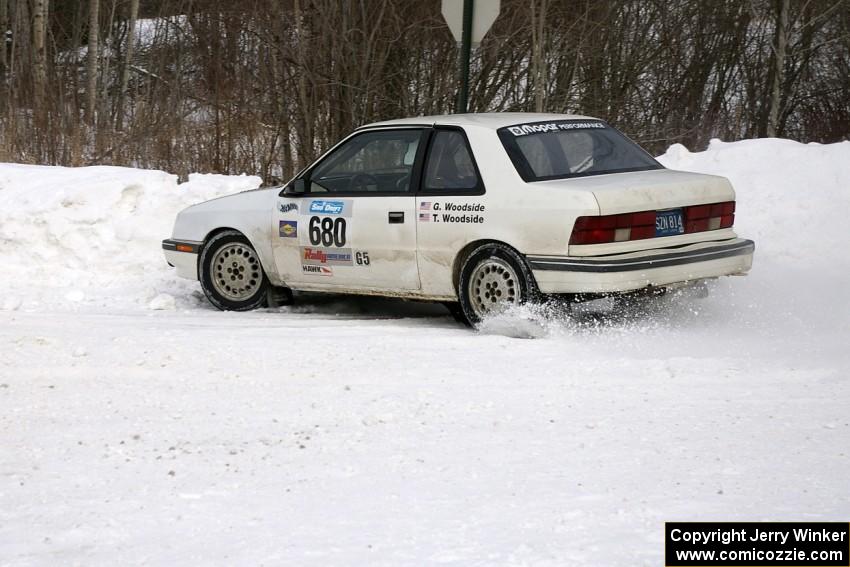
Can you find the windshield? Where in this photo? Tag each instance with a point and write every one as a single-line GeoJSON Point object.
{"type": "Point", "coordinates": [571, 148]}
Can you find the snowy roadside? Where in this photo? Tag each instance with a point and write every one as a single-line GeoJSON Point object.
{"type": "Point", "coordinates": [90, 237]}
{"type": "Point", "coordinates": [379, 432]}
{"type": "Point", "coordinates": [311, 439]}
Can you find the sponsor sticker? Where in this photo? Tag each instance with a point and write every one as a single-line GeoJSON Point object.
{"type": "Point", "coordinates": [317, 270]}
{"type": "Point", "coordinates": [448, 211]}
{"type": "Point", "coordinates": [525, 129]}
{"type": "Point", "coordinates": [288, 229]}
{"type": "Point", "coordinates": [340, 207]}
{"type": "Point", "coordinates": [287, 207]}
{"type": "Point", "coordinates": [326, 256]}
{"type": "Point", "coordinates": [362, 258]}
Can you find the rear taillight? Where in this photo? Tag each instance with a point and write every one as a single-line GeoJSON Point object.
{"type": "Point", "coordinates": [637, 226]}
{"type": "Point", "coordinates": [613, 228]}
{"type": "Point", "coordinates": [700, 218]}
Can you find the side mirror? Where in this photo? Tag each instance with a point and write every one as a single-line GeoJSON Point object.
{"type": "Point", "coordinates": [297, 188]}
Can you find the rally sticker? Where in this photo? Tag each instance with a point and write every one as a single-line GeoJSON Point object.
{"type": "Point", "coordinates": [288, 229]}
{"type": "Point", "coordinates": [317, 270]}
{"type": "Point", "coordinates": [333, 207]}
{"type": "Point", "coordinates": [326, 256]}
{"type": "Point", "coordinates": [326, 229]}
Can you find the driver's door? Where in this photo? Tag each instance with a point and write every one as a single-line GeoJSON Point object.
{"type": "Point", "coordinates": [354, 226]}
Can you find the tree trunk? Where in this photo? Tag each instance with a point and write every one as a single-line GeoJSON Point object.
{"type": "Point", "coordinates": [39, 16]}
{"type": "Point", "coordinates": [4, 25]}
{"type": "Point", "coordinates": [128, 60]}
{"type": "Point", "coordinates": [305, 113]}
{"type": "Point", "coordinates": [91, 63]}
{"type": "Point", "coordinates": [74, 118]}
{"type": "Point", "coordinates": [538, 30]}
{"type": "Point", "coordinates": [778, 67]}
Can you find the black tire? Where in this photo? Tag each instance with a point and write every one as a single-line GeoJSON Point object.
{"type": "Point", "coordinates": [455, 311]}
{"type": "Point", "coordinates": [279, 297]}
{"type": "Point", "coordinates": [250, 284]}
{"type": "Point", "coordinates": [519, 285]}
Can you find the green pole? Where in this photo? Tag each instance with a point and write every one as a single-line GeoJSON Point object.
{"type": "Point", "coordinates": [465, 48]}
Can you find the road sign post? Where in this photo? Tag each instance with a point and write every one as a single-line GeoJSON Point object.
{"type": "Point", "coordinates": [465, 50]}
{"type": "Point", "coordinates": [468, 20]}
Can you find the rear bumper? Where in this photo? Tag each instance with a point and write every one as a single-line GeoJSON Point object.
{"type": "Point", "coordinates": [637, 270]}
{"type": "Point", "coordinates": [183, 255]}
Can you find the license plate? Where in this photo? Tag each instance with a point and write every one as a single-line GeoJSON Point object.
{"type": "Point", "coordinates": [668, 223]}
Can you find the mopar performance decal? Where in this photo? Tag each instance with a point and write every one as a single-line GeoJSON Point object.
{"type": "Point", "coordinates": [524, 129]}
{"type": "Point", "coordinates": [288, 229]}
{"type": "Point", "coordinates": [326, 257]}
{"type": "Point", "coordinates": [447, 211]}
{"type": "Point", "coordinates": [338, 207]}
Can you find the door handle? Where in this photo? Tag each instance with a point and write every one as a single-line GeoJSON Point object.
{"type": "Point", "coordinates": [396, 217]}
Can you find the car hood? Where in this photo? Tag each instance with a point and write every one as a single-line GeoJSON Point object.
{"type": "Point", "coordinates": [649, 190]}
{"type": "Point", "coordinates": [248, 212]}
{"type": "Point", "coordinates": [235, 201]}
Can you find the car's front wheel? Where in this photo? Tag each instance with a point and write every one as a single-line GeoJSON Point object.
{"type": "Point", "coordinates": [493, 277]}
{"type": "Point", "coordinates": [231, 274]}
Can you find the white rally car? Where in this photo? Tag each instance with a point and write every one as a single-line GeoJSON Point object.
{"type": "Point", "coordinates": [477, 210]}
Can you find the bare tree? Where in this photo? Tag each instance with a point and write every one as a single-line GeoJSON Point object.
{"type": "Point", "coordinates": [92, 60]}
{"type": "Point", "coordinates": [266, 85]}
{"type": "Point", "coordinates": [783, 8]}
{"type": "Point", "coordinates": [304, 123]}
{"type": "Point", "coordinates": [4, 26]}
{"type": "Point", "coordinates": [128, 61]}
{"type": "Point", "coordinates": [538, 35]}
{"type": "Point", "coordinates": [39, 28]}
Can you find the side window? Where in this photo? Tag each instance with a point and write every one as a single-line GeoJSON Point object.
{"type": "Point", "coordinates": [450, 166]}
{"type": "Point", "coordinates": [372, 162]}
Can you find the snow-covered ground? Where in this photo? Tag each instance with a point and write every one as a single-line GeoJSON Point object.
{"type": "Point", "coordinates": [139, 426]}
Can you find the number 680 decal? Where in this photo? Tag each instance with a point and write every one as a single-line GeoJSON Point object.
{"type": "Point", "coordinates": [327, 231]}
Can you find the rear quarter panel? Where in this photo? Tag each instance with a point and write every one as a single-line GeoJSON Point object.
{"type": "Point", "coordinates": [531, 218]}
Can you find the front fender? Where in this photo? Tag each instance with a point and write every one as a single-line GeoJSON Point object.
{"type": "Point", "coordinates": [249, 212]}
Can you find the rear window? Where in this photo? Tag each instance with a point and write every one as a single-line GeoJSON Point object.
{"type": "Point", "coordinates": [571, 148]}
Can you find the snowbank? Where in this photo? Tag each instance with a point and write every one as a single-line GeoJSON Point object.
{"type": "Point", "coordinates": [92, 235]}
{"type": "Point", "coordinates": [303, 436]}
{"type": "Point", "coordinates": [792, 199]}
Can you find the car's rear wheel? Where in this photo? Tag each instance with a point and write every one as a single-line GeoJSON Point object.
{"type": "Point", "coordinates": [231, 274]}
{"type": "Point", "coordinates": [493, 278]}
